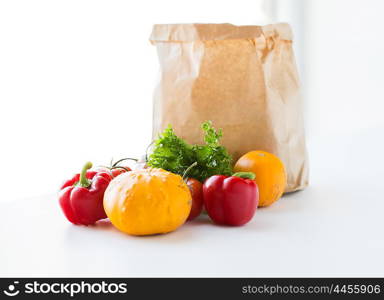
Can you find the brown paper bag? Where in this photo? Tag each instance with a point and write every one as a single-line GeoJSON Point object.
{"type": "Point", "coordinates": [243, 78]}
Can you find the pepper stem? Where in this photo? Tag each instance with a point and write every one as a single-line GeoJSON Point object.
{"type": "Point", "coordinates": [245, 175]}
{"type": "Point", "coordinates": [84, 181]}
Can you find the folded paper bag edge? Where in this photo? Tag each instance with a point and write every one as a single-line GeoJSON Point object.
{"type": "Point", "coordinates": [224, 31]}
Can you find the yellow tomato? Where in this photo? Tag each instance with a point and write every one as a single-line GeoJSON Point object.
{"type": "Point", "coordinates": [147, 201]}
{"type": "Point", "coordinates": [270, 174]}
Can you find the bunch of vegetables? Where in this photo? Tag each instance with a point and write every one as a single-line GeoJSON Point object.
{"type": "Point", "coordinates": [173, 154]}
{"type": "Point", "coordinates": [174, 185]}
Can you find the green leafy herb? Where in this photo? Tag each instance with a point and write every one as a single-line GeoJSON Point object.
{"type": "Point", "coordinates": [173, 154]}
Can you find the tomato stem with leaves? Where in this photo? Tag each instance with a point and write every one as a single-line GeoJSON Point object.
{"type": "Point", "coordinates": [115, 164]}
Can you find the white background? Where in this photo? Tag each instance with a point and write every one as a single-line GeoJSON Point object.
{"type": "Point", "coordinates": [76, 77]}
{"type": "Point", "coordinates": [76, 82]}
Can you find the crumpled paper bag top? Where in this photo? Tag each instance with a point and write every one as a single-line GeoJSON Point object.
{"type": "Point", "coordinates": [209, 32]}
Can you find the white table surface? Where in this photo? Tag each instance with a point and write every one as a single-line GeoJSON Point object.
{"type": "Point", "coordinates": [333, 228]}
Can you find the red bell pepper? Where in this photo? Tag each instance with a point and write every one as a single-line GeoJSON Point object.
{"type": "Point", "coordinates": [81, 198]}
{"type": "Point", "coordinates": [231, 200]}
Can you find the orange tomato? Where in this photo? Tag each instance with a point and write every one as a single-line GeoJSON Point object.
{"type": "Point", "coordinates": [270, 174]}
{"type": "Point", "coordinates": [147, 201]}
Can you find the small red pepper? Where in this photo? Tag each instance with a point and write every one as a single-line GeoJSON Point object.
{"type": "Point", "coordinates": [231, 200]}
{"type": "Point", "coordinates": [81, 198]}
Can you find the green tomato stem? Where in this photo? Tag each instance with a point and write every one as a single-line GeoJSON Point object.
{"type": "Point", "coordinates": [187, 170]}
{"type": "Point", "coordinates": [123, 159]}
{"type": "Point", "coordinates": [245, 175]}
{"type": "Point", "coordinates": [84, 181]}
